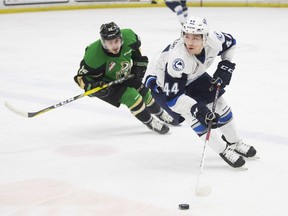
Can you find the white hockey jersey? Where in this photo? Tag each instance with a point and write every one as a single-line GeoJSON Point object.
{"type": "Point", "coordinates": [176, 68]}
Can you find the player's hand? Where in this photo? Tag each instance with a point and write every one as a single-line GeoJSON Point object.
{"type": "Point", "coordinates": [105, 92]}
{"type": "Point", "coordinates": [204, 115]}
{"type": "Point", "coordinates": [223, 72]}
{"type": "Point", "coordinates": [150, 82]}
{"type": "Point", "coordinates": [139, 67]}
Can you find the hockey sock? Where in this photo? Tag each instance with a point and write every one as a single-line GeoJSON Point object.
{"type": "Point", "coordinates": [133, 100]}
{"type": "Point", "coordinates": [230, 132]}
{"type": "Point", "coordinates": [215, 142]}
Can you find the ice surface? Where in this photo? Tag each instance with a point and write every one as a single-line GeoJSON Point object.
{"type": "Point", "coordinates": [88, 158]}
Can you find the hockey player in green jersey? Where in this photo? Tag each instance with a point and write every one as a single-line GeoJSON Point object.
{"type": "Point", "coordinates": [116, 55]}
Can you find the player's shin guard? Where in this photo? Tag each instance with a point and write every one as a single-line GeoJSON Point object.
{"type": "Point", "coordinates": [153, 107]}
{"type": "Point", "coordinates": [199, 129]}
{"type": "Point", "coordinates": [226, 121]}
{"type": "Point", "coordinates": [225, 118]}
{"type": "Point", "coordinates": [228, 128]}
{"type": "Point", "coordinates": [140, 111]}
{"type": "Point", "coordinates": [215, 141]}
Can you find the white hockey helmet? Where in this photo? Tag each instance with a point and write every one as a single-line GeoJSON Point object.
{"type": "Point", "coordinates": [196, 25]}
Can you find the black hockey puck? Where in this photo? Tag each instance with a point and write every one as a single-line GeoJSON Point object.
{"type": "Point", "coordinates": [183, 206]}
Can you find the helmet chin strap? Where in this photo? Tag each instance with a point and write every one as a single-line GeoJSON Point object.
{"type": "Point", "coordinates": [204, 39]}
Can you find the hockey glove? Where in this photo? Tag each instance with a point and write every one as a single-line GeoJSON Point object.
{"type": "Point", "coordinates": [204, 115]}
{"type": "Point", "coordinates": [223, 72]}
{"type": "Point", "coordinates": [150, 83]}
{"type": "Point", "coordinates": [105, 92]}
{"type": "Point", "coordinates": [139, 67]}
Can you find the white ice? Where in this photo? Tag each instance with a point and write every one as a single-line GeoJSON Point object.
{"type": "Point", "coordinates": [89, 158]}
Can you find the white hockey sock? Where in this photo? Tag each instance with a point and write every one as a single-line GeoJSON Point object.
{"type": "Point", "coordinates": [230, 132]}
{"type": "Point", "coordinates": [180, 14]}
{"type": "Point", "coordinates": [215, 141]}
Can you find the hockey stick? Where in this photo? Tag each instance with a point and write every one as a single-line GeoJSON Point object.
{"type": "Point", "coordinates": [62, 103]}
{"type": "Point", "coordinates": [206, 190]}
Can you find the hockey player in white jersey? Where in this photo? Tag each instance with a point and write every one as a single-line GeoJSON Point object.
{"type": "Point", "coordinates": [179, 8]}
{"type": "Point", "coordinates": [181, 85]}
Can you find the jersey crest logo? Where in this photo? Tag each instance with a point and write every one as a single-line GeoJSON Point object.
{"type": "Point", "coordinates": [111, 66]}
{"type": "Point", "coordinates": [178, 64]}
{"type": "Point", "coordinates": [125, 69]}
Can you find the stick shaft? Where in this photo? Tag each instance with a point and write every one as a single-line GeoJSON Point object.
{"type": "Point", "coordinates": [208, 133]}
{"type": "Point", "coordinates": [62, 103]}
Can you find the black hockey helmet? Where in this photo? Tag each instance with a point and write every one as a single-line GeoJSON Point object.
{"type": "Point", "coordinates": [110, 31]}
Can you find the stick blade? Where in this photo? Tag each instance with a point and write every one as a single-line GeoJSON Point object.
{"type": "Point", "coordinates": [15, 110]}
{"type": "Point", "coordinates": [203, 191]}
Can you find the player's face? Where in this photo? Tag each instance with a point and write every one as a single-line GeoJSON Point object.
{"type": "Point", "coordinates": [114, 45]}
{"type": "Point", "coordinates": [194, 43]}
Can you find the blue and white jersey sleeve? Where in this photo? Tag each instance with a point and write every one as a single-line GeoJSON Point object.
{"type": "Point", "coordinates": [228, 44]}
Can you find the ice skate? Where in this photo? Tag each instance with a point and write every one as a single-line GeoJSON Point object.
{"type": "Point", "coordinates": [157, 126]}
{"type": "Point", "coordinates": [165, 117]}
{"type": "Point", "coordinates": [241, 148]}
{"type": "Point", "coordinates": [232, 158]}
